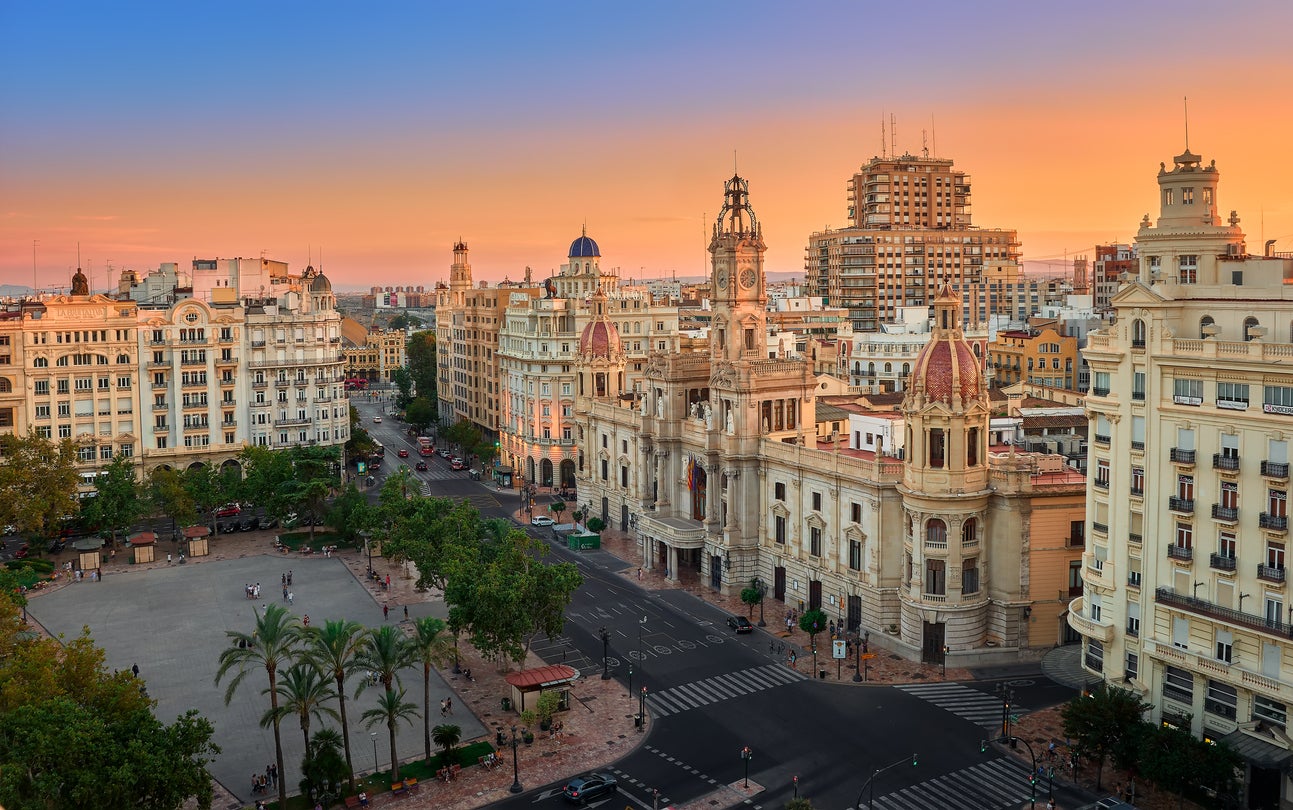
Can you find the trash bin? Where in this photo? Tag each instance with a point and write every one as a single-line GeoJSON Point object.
{"type": "Point", "coordinates": [637, 721]}
{"type": "Point", "coordinates": [507, 704]}
{"type": "Point", "coordinates": [821, 673]}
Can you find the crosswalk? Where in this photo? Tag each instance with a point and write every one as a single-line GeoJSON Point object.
{"type": "Point", "coordinates": [978, 707]}
{"type": "Point", "coordinates": [994, 785]}
{"type": "Point", "coordinates": [693, 695]}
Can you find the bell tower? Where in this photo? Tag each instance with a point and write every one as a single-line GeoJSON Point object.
{"type": "Point", "coordinates": [739, 293]}
{"type": "Point", "coordinates": [459, 274]}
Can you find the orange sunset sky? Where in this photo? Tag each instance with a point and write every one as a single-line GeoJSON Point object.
{"type": "Point", "coordinates": [382, 133]}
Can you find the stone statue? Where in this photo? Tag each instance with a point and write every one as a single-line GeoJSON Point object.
{"type": "Point", "coordinates": [659, 407]}
{"type": "Point", "coordinates": [643, 405]}
{"type": "Point", "coordinates": [730, 428]}
{"type": "Point", "coordinates": [709, 417]}
{"type": "Point", "coordinates": [80, 285]}
{"type": "Point", "coordinates": [695, 410]}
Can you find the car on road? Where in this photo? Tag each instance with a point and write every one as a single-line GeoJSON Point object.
{"type": "Point", "coordinates": [228, 510]}
{"type": "Point", "coordinates": [421, 466]}
{"type": "Point", "coordinates": [377, 420]}
{"type": "Point", "coordinates": [583, 789]}
{"type": "Point", "coordinates": [740, 624]}
{"type": "Point", "coordinates": [458, 464]}
{"type": "Point", "coordinates": [10, 529]}
{"type": "Point", "coordinates": [23, 551]}
{"type": "Point", "coordinates": [56, 545]}
{"type": "Point", "coordinates": [442, 453]}
{"type": "Point", "coordinates": [403, 454]}
{"type": "Point", "coordinates": [541, 520]}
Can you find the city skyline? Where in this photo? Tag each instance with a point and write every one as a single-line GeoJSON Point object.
{"type": "Point", "coordinates": [152, 133]}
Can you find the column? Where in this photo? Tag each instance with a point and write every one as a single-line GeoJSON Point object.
{"type": "Point", "coordinates": [672, 556]}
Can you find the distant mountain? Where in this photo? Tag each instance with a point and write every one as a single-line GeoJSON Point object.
{"type": "Point", "coordinates": [13, 291]}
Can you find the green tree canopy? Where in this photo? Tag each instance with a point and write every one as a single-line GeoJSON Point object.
{"type": "Point", "coordinates": [403, 381]}
{"type": "Point", "coordinates": [37, 483]}
{"type": "Point", "coordinates": [1106, 722]}
{"type": "Point", "coordinates": [167, 496]}
{"type": "Point", "coordinates": [420, 413]}
{"type": "Point", "coordinates": [421, 363]}
{"type": "Point", "coordinates": [117, 503]}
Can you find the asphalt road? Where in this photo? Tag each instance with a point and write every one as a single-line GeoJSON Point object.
{"type": "Point", "coordinates": [711, 693]}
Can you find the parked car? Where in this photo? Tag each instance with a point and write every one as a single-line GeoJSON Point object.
{"type": "Point", "coordinates": [23, 551]}
{"type": "Point", "coordinates": [229, 528]}
{"type": "Point", "coordinates": [228, 510]}
{"type": "Point", "coordinates": [377, 420]}
{"type": "Point", "coordinates": [541, 520]}
{"type": "Point", "coordinates": [403, 454]}
{"type": "Point", "coordinates": [56, 545]}
{"type": "Point", "coordinates": [269, 523]}
{"type": "Point", "coordinates": [10, 529]}
{"type": "Point", "coordinates": [248, 524]}
{"type": "Point", "coordinates": [583, 789]}
{"type": "Point", "coordinates": [740, 624]}
{"type": "Point", "coordinates": [421, 466]}
{"type": "Point", "coordinates": [458, 464]}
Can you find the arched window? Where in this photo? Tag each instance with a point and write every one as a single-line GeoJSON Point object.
{"type": "Point", "coordinates": [5, 386]}
{"type": "Point", "coordinates": [1250, 324]}
{"type": "Point", "coordinates": [1204, 323]}
{"type": "Point", "coordinates": [1138, 334]}
{"type": "Point", "coordinates": [888, 368]}
{"type": "Point", "coordinates": [937, 448]}
{"type": "Point", "coordinates": [870, 369]}
{"type": "Point", "coordinates": [40, 362]}
{"type": "Point", "coordinates": [970, 532]}
{"type": "Point", "coordinates": [906, 369]}
{"type": "Point", "coordinates": [936, 532]}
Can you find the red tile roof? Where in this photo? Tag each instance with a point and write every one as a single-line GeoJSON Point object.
{"type": "Point", "coordinates": [542, 676]}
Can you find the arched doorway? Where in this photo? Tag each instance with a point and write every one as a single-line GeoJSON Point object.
{"type": "Point", "coordinates": [568, 474]}
{"type": "Point", "coordinates": [545, 473]}
{"type": "Point", "coordinates": [197, 465]}
{"type": "Point", "coordinates": [529, 470]}
{"type": "Point", "coordinates": [698, 486]}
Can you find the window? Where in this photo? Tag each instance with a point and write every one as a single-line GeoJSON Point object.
{"type": "Point", "coordinates": [1133, 618]}
{"type": "Point", "coordinates": [1180, 632]}
{"type": "Point", "coordinates": [1270, 711]}
{"type": "Point", "coordinates": [855, 512]}
{"type": "Point", "coordinates": [1184, 535]}
{"type": "Point", "coordinates": [936, 577]}
{"type": "Point", "coordinates": [855, 555]}
{"type": "Point", "coordinates": [1233, 396]}
{"type": "Point", "coordinates": [1102, 473]}
{"type": "Point", "coordinates": [817, 501]}
{"type": "Point", "coordinates": [815, 541]}
{"type": "Point", "coordinates": [779, 529]}
{"type": "Point", "coordinates": [936, 533]}
{"type": "Point", "coordinates": [1229, 495]}
{"type": "Point", "coordinates": [1178, 684]}
{"type": "Point", "coordinates": [1222, 700]}
{"type": "Point", "coordinates": [1188, 267]}
{"type": "Point", "coordinates": [969, 576]}
{"type": "Point", "coordinates": [1250, 328]}
{"type": "Point", "coordinates": [605, 470]}
{"type": "Point", "coordinates": [1277, 503]}
{"type": "Point", "coordinates": [937, 448]}
{"type": "Point", "coordinates": [1226, 543]}
{"type": "Point", "coordinates": [1138, 334]}
{"type": "Point", "coordinates": [1137, 480]}
{"type": "Point", "coordinates": [1187, 392]}
{"type": "Point", "coordinates": [1094, 659]}
{"type": "Point", "coordinates": [1133, 665]}
{"type": "Point", "coordinates": [970, 532]}
{"type": "Point", "coordinates": [1274, 555]}
{"type": "Point", "coordinates": [779, 491]}
{"type": "Point", "coordinates": [1278, 399]}
{"type": "Point", "coordinates": [1185, 487]}
{"type": "Point", "coordinates": [1225, 645]}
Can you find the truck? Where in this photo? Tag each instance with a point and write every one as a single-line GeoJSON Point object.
{"type": "Point", "coordinates": [425, 448]}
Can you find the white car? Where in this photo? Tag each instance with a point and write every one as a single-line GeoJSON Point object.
{"type": "Point", "coordinates": [541, 520]}
{"type": "Point", "coordinates": [377, 420]}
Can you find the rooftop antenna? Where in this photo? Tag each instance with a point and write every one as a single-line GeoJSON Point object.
{"type": "Point", "coordinates": [933, 136]}
{"type": "Point", "coordinates": [736, 171]}
{"type": "Point", "coordinates": [34, 243]}
{"type": "Point", "coordinates": [893, 133]}
{"type": "Point", "coordinates": [1186, 100]}
{"type": "Point", "coordinates": [924, 143]}
{"type": "Point", "coordinates": [884, 143]}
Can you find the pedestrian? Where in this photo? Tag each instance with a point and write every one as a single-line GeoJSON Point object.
{"type": "Point", "coordinates": [1050, 804]}
{"type": "Point", "coordinates": [269, 772]}
{"type": "Point", "coordinates": [284, 578]}
{"type": "Point", "coordinates": [284, 593]}
{"type": "Point", "coordinates": [305, 620]}
{"type": "Point", "coordinates": [444, 710]}
{"type": "Point", "coordinates": [448, 704]}
{"type": "Point", "coordinates": [273, 772]}
{"type": "Point", "coordinates": [291, 595]}
{"type": "Point", "coordinates": [168, 558]}
{"type": "Point", "coordinates": [135, 669]}
{"type": "Point", "coordinates": [406, 613]}
{"type": "Point", "coordinates": [388, 582]}
{"type": "Point", "coordinates": [289, 577]}
{"type": "Point", "coordinates": [386, 611]}
{"type": "Point", "coordinates": [639, 575]}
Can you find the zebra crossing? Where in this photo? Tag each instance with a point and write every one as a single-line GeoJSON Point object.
{"type": "Point", "coordinates": [688, 696]}
{"type": "Point", "coordinates": [994, 785]}
{"type": "Point", "coordinates": [978, 707]}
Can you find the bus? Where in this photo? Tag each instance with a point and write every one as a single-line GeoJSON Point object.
{"type": "Point", "coordinates": [379, 452]}
{"type": "Point", "coordinates": [357, 384]}
{"type": "Point", "coordinates": [425, 448]}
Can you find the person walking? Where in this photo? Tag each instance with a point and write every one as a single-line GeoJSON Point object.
{"type": "Point", "coordinates": [290, 597]}
{"type": "Point", "coordinates": [135, 670]}
{"type": "Point", "coordinates": [444, 709]}
{"type": "Point", "coordinates": [305, 620]}
{"type": "Point", "coordinates": [386, 611]}
{"type": "Point", "coordinates": [448, 704]}
{"type": "Point", "coordinates": [289, 577]}
{"type": "Point", "coordinates": [406, 613]}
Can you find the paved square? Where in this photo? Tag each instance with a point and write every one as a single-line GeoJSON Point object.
{"type": "Point", "coordinates": [172, 622]}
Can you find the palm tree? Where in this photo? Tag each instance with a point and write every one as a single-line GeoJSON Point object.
{"type": "Point", "coordinates": [385, 651]}
{"type": "Point", "coordinates": [433, 647]}
{"type": "Point", "coordinates": [391, 708]}
{"type": "Point", "coordinates": [447, 736]}
{"type": "Point", "coordinates": [497, 529]}
{"type": "Point", "coordinates": [304, 691]}
{"type": "Point", "coordinates": [272, 644]}
{"type": "Point", "coordinates": [334, 648]}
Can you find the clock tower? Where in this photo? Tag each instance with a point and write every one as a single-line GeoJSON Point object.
{"type": "Point", "coordinates": [739, 296]}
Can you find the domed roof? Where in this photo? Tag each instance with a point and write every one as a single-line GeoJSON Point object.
{"type": "Point", "coordinates": [320, 284]}
{"type": "Point", "coordinates": [600, 339]}
{"type": "Point", "coordinates": [584, 247]}
{"type": "Point", "coordinates": [947, 364]}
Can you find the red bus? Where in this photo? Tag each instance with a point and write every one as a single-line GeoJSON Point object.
{"type": "Point", "coordinates": [425, 448]}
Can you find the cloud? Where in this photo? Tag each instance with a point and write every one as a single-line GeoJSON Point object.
{"type": "Point", "coordinates": [96, 217]}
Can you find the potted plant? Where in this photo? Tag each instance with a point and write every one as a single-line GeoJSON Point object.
{"type": "Point", "coordinates": [528, 718]}
{"type": "Point", "coordinates": [545, 707]}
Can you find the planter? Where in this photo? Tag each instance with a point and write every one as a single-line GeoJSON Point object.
{"type": "Point", "coordinates": [529, 738]}
{"type": "Point", "coordinates": [507, 704]}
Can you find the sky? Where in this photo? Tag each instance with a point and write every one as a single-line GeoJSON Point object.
{"type": "Point", "coordinates": [369, 137]}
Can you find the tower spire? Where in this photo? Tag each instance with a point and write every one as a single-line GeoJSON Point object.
{"type": "Point", "coordinates": [1186, 102]}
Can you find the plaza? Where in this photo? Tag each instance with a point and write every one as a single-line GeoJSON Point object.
{"type": "Point", "coordinates": [171, 621]}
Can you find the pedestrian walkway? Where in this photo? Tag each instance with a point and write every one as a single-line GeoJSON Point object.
{"type": "Point", "coordinates": [995, 785]}
{"type": "Point", "coordinates": [978, 707]}
{"type": "Point", "coordinates": [1064, 666]}
{"type": "Point", "coordinates": [693, 695]}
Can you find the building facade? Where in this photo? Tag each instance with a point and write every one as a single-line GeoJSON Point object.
{"type": "Point", "coordinates": [1034, 355]}
{"type": "Point", "coordinates": [1186, 593]}
{"type": "Point", "coordinates": [716, 467]}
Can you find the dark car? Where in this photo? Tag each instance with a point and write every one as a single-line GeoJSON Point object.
{"type": "Point", "coordinates": [229, 528]}
{"type": "Point", "coordinates": [403, 454]}
{"type": "Point", "coordinates": [57, 545]}
{"type": "Point", "coordinates": [248, 524]}
{"type": "Point", "coordinates": [740, 624]}
{"type": "Point", "coordinates": [23, 551]}
{"type": "Point", "coordinates": [583, 789]}
{"type": "Point", "coordinates": [269, 523]}
{"type": "Point", "coordinates": [421, 466]}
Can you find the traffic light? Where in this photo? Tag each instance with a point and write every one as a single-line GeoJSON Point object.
{"type": "Point", "coordinates": [983, 746]}
{"type": "Point", "coordinates": [913, 760]}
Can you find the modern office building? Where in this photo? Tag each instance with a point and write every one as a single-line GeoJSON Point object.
{"type": "Point", "coordinates": [1187, 595]}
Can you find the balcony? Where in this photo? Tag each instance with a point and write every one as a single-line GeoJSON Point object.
{"type": "Point", "coordinates": [198, 383]}
{"type": "Point", "coordinates": [159, 364]}
{"type": "Point", "coordinates": [1276, 523]}
{"type": "Point", "coordinates": [1180, 456]}
{"type": "Point", "coordinates": [258, 344]}
{"type": "Point", "coordinates": [1185, 505]}
{"type": "Point", "coordinates": [1202, 607]}
{"type": "Point", "coordinates": [1099, 391]}
{"type": "Point", "coordinates": [290, 422]}
{"type": "Point", "coordinates": [1275, 469]}
{"type": "Point", "coordinates": [194, 403]}
{"type": "Point", "coordinates": [161, 406]}
{"type": "Point", "coordinates": [1098, 629]}
{"type": "Point", "coordinates": [1101, 483]}
{"type": "Point", "coordinates": [1137, 492]}
{"type": "Point", "coordinates": [1226, 514]}
{"type": "Point", "coordinates": [1224, 462]}
{"type": "Point", "coordinates": [1134, 538]}
{"type": "Point", "coordinates": [1138, 344]}
{"type": "Point", "coordinates": [229, 424]}
{"type": "Point", "coordinates": [1135, 445]}
{"type": "Point", "coordinates": [1138, 396]}
{"type": "Point", "coordinates": [1180, 552]}
{"type": "Point", "coordinates": [260, 384]}
{"type": "Point", "coordinates": [1101, 439]}
{"type": "Point", "coordinates": [1133, 579]}
{"type": "Point", "coordinates": [197, 426]}
{"type": "Point", "coordinates": [1221, 562]}
{"type": "Point", "coordinates": [1270, 573]}
{"type": "Point", "coordinates": [1103, 528]}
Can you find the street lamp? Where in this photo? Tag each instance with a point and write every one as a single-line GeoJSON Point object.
{"type": "Point", "coordinates": [369, 548]}
{"type": "Point", "coordinates": [516, 773]}
{"type": "Point", "coordinates": [762, 589]}
{"type": "Point", "coordinates": [747, 755]}
{"type": "Point", "coordinates": [944, 662]}
{"type": "Point", "coordinates": [641, 709]}
{"type": "Point", "coordinates": [373, 736]}
{"type": "Point", "coordinates": [870, 782]}
{"type": "Point", "coordinates": [796, 780]}
{"type": "Point", "coordinates": [606, 640]}
{"type": "Point", "coordinates": [630, 680]}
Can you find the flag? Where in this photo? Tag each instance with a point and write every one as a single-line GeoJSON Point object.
{"type": "Point", "coordinates": [691, 473]}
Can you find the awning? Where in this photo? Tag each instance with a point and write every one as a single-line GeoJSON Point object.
{"type": "Point", "coordinates": [530, 679]}
{"type": "Point", "coordinates": [88, 544]}
{"type": "Point", "coordinates": [1256, 750]}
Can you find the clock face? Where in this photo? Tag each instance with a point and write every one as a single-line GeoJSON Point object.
{"type": "Point", "coordinates": [748, 277]}
{"type": "Point", "coordinates": [722, 281]}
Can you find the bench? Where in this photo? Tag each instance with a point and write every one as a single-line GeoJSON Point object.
{"type": "Point", "coordinates": [411, 785]}
{"type": "Point", "coordinates": [352, 801]}
{"type": "Point", "coordinates": [398, 790]}
{"type": "Point", "coordinates": [454, 771]}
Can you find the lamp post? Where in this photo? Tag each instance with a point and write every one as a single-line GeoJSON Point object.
{"type": "Point", "coordinates": [641, 709]}
{"type": "Point", "coordinates": [630, 679]}
{"type": "Point", "coordinates": [870, 782]}
{"type": "Point", "coordinates": [641, 624]}
{"type": "Point", "coordinates": [369, 548]}
{"type": "Point", "coordinates": [945, 648]}
{"type": "Point", "coordinates": [606, 641]}
{"type": "Point", "coordinates": [516, 773]}
{"type": "Point", "coordinates": [746, 756]}
{"type": "Point", "coordinates": [857, 676]}
{"type": "Point", "coordinates": [762, 589]}
{"type": "Point", "coordinates": [796, 781]}
{"type": "Point", "coordinates": [373, 736]}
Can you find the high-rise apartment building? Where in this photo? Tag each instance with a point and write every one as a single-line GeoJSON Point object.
{"type": "Point", "coordinates": [910, 232]}
{"type": "Point", "coordinates": [1187, 595]}
{"type": "Point", "coordinates": [1112, 261]}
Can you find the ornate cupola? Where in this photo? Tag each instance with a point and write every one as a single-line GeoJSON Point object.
{"type": "Point", "coordinates": [601, 354]}
{"type": "Point", "coordinates": [739, 294]}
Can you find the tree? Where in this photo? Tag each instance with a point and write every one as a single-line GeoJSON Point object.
{"type": "Point", "coordinates": [38, 483]}
{"type": "Point", "coordinates": [812, 623]}
{"type": "Point", "coordinates": [206, 489]}
{"type": "Point", "coordinates": [403, 321]}
{"type": "Point", "coordinates": [391, 708]}
{"type": "Point", "coordinates": [421, 363]}
{"type": "Point", "coordinates": [322, 767]}
{"type": "Point", "coordinates": [116, 505]}
{"type": "Point", "coordinates": [1105, 722]}
{"type": "Point", "coordinates": [1177, 761]}
{"type": "Point", "coordinates": [303, 692]}
{"type": "Point", "coordinates": [556, 508]}
{"type": "Point", "coordinates": [596, 524]}
{"type": "Point", "coordinates": [420, 413]}
{"type": "Point", "coordinates": [404, 382]}
{"type": "Point", "coordinates": [266, 477]}
{"type": "Point", "coordinates": [349, 514]}
{"type": "Point", "coordinates": [335, 648]}
{"type": "Point", "coordinates": [750, 597]}
{"type": "Point", "coordinates": [434, 648]}
{"type": "Point", "coordinates": [385, 651]}
{"type": "Point", "coordinates": [446, 735]}
{"type": "Point", "coordinates": [273, 644]}
{"type": "Point", "coordinates": [314, 475]}
{"type": "Point", "coordinates": [167, 496]}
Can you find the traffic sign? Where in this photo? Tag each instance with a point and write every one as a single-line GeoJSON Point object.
{"type": "Point", "coordinates": [839, 649]}
{"type": "Point", "coordinates": [867, 656]}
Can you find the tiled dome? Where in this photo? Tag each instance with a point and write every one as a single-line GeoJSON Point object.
{"type": "Point", "coordinates": [584, 248]}
{"type": "Point", "coordinates": [947, 364]}
{"type": "Point", "coordinates": [600, 339]}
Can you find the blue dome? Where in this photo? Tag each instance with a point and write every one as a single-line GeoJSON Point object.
{"type": "Point", "coordinates": [584, 248]}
